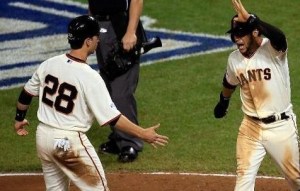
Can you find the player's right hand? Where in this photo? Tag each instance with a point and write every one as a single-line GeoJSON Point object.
{"type": "Point", "coordinates": [20, 127]}
{"type": "Point", "coordinates": [220, 110]}
{"type": "Point", "coordinates": [243, 14]}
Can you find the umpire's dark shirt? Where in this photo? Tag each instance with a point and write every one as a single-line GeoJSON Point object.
{"type": "Point", "coordinates": [106, 7]}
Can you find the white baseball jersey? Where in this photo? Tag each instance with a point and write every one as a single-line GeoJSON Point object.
{"type": "Point", "coordinates": [70, 94]}
{"type": "Point", "coordinates": [264, 90]}
{"type": "Point", "coordinates": [264, 80]}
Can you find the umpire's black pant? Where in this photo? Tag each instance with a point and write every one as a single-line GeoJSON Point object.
{"type": "Point", "coordinates": [122, 90]}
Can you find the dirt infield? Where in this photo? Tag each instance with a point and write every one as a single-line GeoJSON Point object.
{"type": "Point", "coordinates": [149, 182]}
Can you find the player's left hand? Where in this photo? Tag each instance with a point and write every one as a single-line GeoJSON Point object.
{"type": "Point", "coordinates": [20, 127]}
{"type": "Point", "coordinates": [154, 138]}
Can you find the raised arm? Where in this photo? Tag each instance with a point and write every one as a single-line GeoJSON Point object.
{"type": "Point", "coordinates": [275, 35]}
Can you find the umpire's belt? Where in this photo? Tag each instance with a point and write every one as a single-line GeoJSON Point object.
{"type": "Point", "coordinates": [272, 118]}
{"type": "Point", "coordinates": [102, 17]}
{"type": "Point", "coordinates": [114, 16]}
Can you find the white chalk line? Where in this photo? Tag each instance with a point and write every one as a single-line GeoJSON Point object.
{"type": "Point", "coordinates": [154, 173]}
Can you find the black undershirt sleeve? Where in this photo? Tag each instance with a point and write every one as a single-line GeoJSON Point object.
{"type": "Point", "coordinates": [226, 84]}
{"type": "Point", "coordinates": [25, 98]}
{"type": "Point", "coordinates": [275, 35]}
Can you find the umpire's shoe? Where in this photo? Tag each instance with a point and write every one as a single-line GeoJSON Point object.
{"type": "Point", "coordinates": [128, 154]}
{"type": "Point", "coordinates": [109, 147]}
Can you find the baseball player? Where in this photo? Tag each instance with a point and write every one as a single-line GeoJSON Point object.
{"type": "Point", "coordinates": [259, 67]}
{"type": "Point", "coordinates": [71, 94]}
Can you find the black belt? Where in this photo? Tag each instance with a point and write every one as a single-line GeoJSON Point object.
{"type": "Point", "coordinates": [108, 17]}
{"type": "Point", "coordinates": [102, 17]}
{"type": "Point", "coordinates": [271, 118]}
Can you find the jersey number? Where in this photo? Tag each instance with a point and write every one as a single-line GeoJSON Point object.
{"type": "Point", "coordinates": [66, 94]}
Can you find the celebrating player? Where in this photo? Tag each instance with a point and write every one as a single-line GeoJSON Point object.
{"type": "Point", "coordinates": [70, 95]}
{"type": "Point", "coordinates": [260, 68]}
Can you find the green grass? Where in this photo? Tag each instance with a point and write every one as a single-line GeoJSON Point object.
{"type": "Point", "coordinates": [179, 94]}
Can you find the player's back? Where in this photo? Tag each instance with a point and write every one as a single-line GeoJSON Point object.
{"type": "Point", "coordinates": [64, 83]}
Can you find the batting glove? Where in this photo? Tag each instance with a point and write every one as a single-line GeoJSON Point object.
{"type": "Point", "coordinates": [62, 144]}
{"type": "Point", "coordinates": [222, 106]}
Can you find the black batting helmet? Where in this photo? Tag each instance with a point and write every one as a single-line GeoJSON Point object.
{"type": "Point", "coordinates": [240, 28]}
{"type": "Point", "coordinates": [82, 27]}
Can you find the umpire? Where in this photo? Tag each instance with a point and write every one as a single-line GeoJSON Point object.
{"type": "Point", "coordinates": [118, 57]}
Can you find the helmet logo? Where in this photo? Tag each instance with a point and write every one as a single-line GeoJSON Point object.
{"type": "Point", "coordinates": [70, 36]}
{"type": "Point", "coordinates": [103, 30]}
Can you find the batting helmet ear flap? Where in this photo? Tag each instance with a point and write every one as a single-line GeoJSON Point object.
{"type": "Point", "coordinates": [232, 38]}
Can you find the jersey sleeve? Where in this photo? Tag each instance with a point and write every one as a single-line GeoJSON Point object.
{"type": "Point", "coordinates": [230, 74]}
{"type": "Point", "coordinates": [100, 102]}
{"type": "Point", "coordinates": [33, 84]}
{"type": "Point", "coordinates": [279, 55]}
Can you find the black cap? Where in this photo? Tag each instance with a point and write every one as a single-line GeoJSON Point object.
{"type": "Point", "coordinates": [240, 28]}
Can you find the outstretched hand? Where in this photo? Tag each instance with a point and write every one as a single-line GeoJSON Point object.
{"type": "Point", "coordinates": [242, 13]}
{"type": "Point", "coordinates": [154, 138]}
{"type": "Point", "coordinates": [20, 127]}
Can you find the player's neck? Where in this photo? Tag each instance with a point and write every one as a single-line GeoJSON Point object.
{"type": "Point", "coordinates": [78, 56]}
{"type": "Point", "coordinates": [254, 45]}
